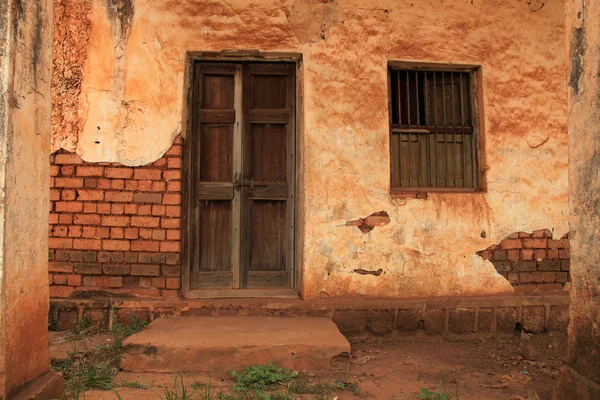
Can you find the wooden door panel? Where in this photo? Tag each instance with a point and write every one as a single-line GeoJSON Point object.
{"type": "Point", "coordinates": [267, 236]}
{"type": "Point", "coordinates": [268, 175]}
{"type": "Point", "coordinates": [212, 211]}
{"type": "Point", "coordinates": [268, 152]}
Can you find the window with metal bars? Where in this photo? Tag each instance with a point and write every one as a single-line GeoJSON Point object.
{"type": "Point", "coordinates": [434, 144]}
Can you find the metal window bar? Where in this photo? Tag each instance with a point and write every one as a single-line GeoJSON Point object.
{"type": "Point", "coordinates": [426, 128]}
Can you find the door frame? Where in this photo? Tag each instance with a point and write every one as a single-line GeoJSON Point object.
{"type": "Point", "coordinates": [241, 56]}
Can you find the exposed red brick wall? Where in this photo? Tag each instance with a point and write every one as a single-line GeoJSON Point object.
{"type": "Point", "coordinates": [532, 262]}
{"type": "Point", "coordinates": [115, 228]}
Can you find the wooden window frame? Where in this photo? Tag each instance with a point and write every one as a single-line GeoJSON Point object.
{"type": "Point", "coordinates": [475, 72]}
{"type": "Point", "coordinates": [243, 56]}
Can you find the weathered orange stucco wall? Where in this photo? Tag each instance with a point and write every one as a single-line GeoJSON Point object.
{"type": "Point", "coordinates": [126, 102]}
{"type": "Point", "coordinates": [25, 72]}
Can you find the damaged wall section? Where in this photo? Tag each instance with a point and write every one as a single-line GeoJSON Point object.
{"type": "Point", "coordinates": [532, 262]}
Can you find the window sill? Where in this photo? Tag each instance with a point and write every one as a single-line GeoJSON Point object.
{"type": "Point", "coordinates": [423, 193]}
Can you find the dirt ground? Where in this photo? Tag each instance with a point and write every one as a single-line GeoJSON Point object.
{"type": "Point", "coordinates": [514, 367]}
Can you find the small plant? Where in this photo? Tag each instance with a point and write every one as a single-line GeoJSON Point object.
{"type": "Point", "coordinates": [83, 324]}
{"type": "Point", "coordinates": [179, 391]}
{"type": "Point", "coordinates": [261, 377]}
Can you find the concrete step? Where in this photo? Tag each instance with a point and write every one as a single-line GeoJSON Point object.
{"type": "Point", "coordinates": [202, 344]}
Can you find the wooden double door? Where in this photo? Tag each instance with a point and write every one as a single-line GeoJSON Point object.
{"type": "Point", "coordinates": [241, 176]}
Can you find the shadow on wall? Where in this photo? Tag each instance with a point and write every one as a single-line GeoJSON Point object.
{"type": "Point", "coordinates": [532, 262]}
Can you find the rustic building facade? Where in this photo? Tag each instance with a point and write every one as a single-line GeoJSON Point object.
{"type": "Point", "coordinates": [398, 144]}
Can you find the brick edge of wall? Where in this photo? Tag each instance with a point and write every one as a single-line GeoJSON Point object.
{"type": "Point", "coordinates": [463, 316]}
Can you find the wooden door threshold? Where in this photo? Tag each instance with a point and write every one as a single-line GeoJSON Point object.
{"type": "Point", "coordinates": [242, 293]}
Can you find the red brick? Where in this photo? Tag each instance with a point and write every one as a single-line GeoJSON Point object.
{"type": "Point", "coordinates": [131, 233]}
{"type": "Point", "coordinates": [53, 219]}
{"type": "Point", "coordinates": [60, 279]}
{"type": "Point", "coordinates": [87, 244]}
{"type": "Point", "coordinates": [87, 219]}
{"type": "Point", "coordinates": [116, 269]}
{"type": "Point", "coordinates": [524, 235]}
{"type": "Point", "coordinates": [539, 254]}
{"type": "Point", "coordinates": [527, 254]}
{"type": "Point", "coordinates": [174, 151]}
{"type": "Point", "coordinates": [54, 170]}
{"type": "Point", "coordinates": [90, 183]}
{"type": "Point", "coordinates": [147, 197]}
{"type": "Point", "coordinates": [171, 270]}
{"type": "Point", "coordinates": [65, 158]}
{"type": "Point", "coordinates": [172, 258]}
{"type": "Point", "coordinates": [173, 234]}
{"type": "Point", "coordinates": [90, 195]}
{"type": "Point", "coordinates": [117, 208]}
{"type": "Point", "coordinates": [145, 270]}
{"type": "Point", "coordinates": [159, 234]}
{"type": "Point", "coordinates": [145, 245]}
{"type": "Point", "coordinates": [174, 186]}
{"type": "Point", "coordinates": [558, 244]}
{"type": "Point", "coordinates": [147, 174]}
{"type": "Point", "coordinates": [88, 269]}
{"type": "Point", "coordinates": [535, 243]}
{"type": "Point", "coordinates": [171, 223]}
{"type": "Point", "coordinates": [525, 277]}
{"type": "Point", "coordinates": [146, 233]}
{"type": "Point", "coordinates": [122, 173]}
{"type": "Point", "coordinates": [60, 267]}
{"type": "Point", "coordinates": [158, 210]}
{"type": "Point", "coordinates": [119, 197]}
{"type": "Point", "coordinates": [174, 162]}
{"type": "Point", "coordinates": [552, 254]}
{"type": "Point", "coordinates": [148, 222]}
{"type": "Point", "coordinates": [537, 276]}
{"type": "Point", "coordinates": [564, 254]}
{"type": "Point", "coordinates": [145, 186]}
{"type": "Point", "coordinates": [60, 231]}
{"type": "Point", "coordinates": [103, 232]}
{"type": "Point", "coordinates": [172, 198]}
{"type": "Point", "coordinates": [169, 293]}
{"type": "Point", "coordinates": [90, 171]}
{"type": "Point", "coordinates": [173, 211]}
{"type": "Point", "coordinates": [131, 185]}
{"type": "Point", "coordinates": [172, 175]}
{"type": "Point", "coordinates": [514, 255]}
{"type": "Point", "coordinates": [115, 282]}
{"type": "Point", "coordinates": [75, 231]}
{"type": "Point", "coordinates": [74, 280]}
{"type": "Point", "coordinates": [54, 195]}
{"type": "Point", "coordinates": [104, 208]}
{"type": "Point", "coordinates": [61, 291]}
{"type": "Point", "coordinates": [60, 243]}
{"type": "Point", "coordinates": [89, 232]}
{"type": "Point", "coordinates": [145, 209]}
{"type": "Point", "coordinates": [158, 283]}
{"type": "Point", "coordinates": [68, 206]}
{"type": "Point", "coordinates": [145, 282]}
{"type": "Point", "coordinates": [117, 184]}
{"type": "Point", "coordinates": [549, 277]}
{"type": "Point", "coordinates": [159, 186]}
{"type": "Point", "coordinates": [90, 208]}
{"type": "Point", "coordinates": [130, 209]}
{"type": "Point", "coordinates": [68, 182]}
{"type": "Point", "coordinates": [52, 181]}
{"type": "Point", "coordinates": [67, 170]}
{"type": "Point", "coordinates": [103, 183]}
{"type": "Point", "coordinates": [171, 247]}
{"type": "Point", "coordinates": [549, 287]}
{"type": "Point", "coordinates": [116, 233]}
{"type": "Point", "coordinates": [119, 245]}
{"type": "Point", "coordinates": [68, 195]}
{"type": "Point", "coordinates": [511, 244]}
{"type": "Point", "coordinates": [513, 277]}
{"type": "Point", "coordinates": [173, 283]}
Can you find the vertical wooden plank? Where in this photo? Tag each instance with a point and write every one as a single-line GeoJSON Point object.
{"type": "Point", "coordinates": [291, 175]}
{"type": "Point", "coordinates": [246, 175]}
{"type": "Point", "coordinates": [237, 174]}
{"type": "Point", "coordinates": [396, 182]}
{"type": "Point", "coordinates": [195, 177]}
